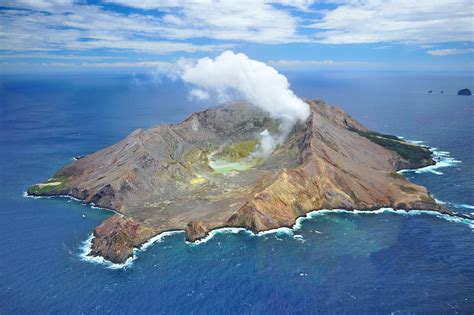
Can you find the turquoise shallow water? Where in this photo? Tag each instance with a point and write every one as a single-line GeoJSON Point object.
{"type": "Point", "coordinates": [335, 262]}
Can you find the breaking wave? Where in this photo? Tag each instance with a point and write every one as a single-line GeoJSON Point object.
{"type": "Point", "coordinates": [455, 205]}
{"type": "Point", "coordinates": [156, 239]}
{"type": "Point", "coordinates": [317, 213]}
{"type": "Point", "coordinates": [236, 230]}
{"type": "Point", "coordinates": [25, 194]}
{"type": "Point", "coordinates": [86, 247]}
{"type": "Point", "coordinates": [70, 199]}
{"type": "Point", "coordinates": [442, 158]}
{"type": "Point", "coordinates": [462, 205]}
{"type": "Point", "coordinates": [447, 217]}
{"type": "Point", "coordinates": [224, 230]}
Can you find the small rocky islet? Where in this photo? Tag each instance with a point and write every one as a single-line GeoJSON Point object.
{"type": "Point", "coordinates": [465, 92]}
{"type": "Point", "coordinates": [201, 174]}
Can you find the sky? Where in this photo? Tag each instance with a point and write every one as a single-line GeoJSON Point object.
{"type": "Point", "coordinates": [122, 35]}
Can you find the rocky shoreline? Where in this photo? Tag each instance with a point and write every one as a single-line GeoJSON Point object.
{"type": "Point", "coordinates": [195, 232]}
{"type": "Point", "coordinates": [160, 179]}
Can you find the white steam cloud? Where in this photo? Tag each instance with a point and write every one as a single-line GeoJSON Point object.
{"type": "Point", "coordinates": [254, 81]}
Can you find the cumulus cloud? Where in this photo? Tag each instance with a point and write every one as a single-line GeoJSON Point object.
{"type": "Point", "coordinates": [52, 25]}
{"type": "Point", "coordinates": [259, 84]}
{"type": "Point", "coordinates": [179, 26]}
{"type": "Point", "coordinates": [170, 26]}
{"type": "Point", "coordinates": [450, 51]}
{"type": "Point", "coordinates": [403, 21]}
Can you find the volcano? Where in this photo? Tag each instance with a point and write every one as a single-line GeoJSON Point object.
{"type": "Point", "coordinates": [203, 174]}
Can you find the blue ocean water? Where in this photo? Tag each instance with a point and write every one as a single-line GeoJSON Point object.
{"type": "Point", "coordinates": [334, 263]}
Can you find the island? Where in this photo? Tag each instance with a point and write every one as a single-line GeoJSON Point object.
{"type": "Point", "coordinates": [465, 92]}
{"type": "Point", "coordinates": [202, 174]}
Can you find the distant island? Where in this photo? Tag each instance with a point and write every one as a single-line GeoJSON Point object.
{"type": "Point", "coordinates": [203, 174]}
{"type": "Point", "coordinates": [464, 92]}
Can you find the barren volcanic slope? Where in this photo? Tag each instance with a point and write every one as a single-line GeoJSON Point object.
{"type": "Point", "coordinates": [202, 174]}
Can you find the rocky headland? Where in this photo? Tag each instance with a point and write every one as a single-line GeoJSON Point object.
{"type": "Point", "coordinates": [202, 174]}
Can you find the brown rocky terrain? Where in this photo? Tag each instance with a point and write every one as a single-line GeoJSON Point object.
{"type": "Point", "coordinates": [200, 174]}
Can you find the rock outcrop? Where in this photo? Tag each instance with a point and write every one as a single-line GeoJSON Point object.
{"type": "Point", "coordinates": [196, 230]}
{"type": "Point", "coordinates": [176, 177]}
{"type": "Point", "coordinates": [117, 236]}
{"type": "Point", "coordinates": [465, 92]}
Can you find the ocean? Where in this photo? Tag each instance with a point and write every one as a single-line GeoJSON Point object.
{"type": "Point", "coordinates": [337, 262]}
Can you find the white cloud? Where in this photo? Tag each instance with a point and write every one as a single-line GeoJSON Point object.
{"type": "Point", "coordinates": [248, 20]}
{"type": "Point", "coordinates": [14, 56]}
{"type": "Point", "coordinates": [313, 63]}
{"type": "Point", "coordinates": [300, 4]}
{"type": "Point", "coordinates": [87, 27]}
{"type": "Point", "coordinates": [159, 67]}
{"type": "Point", "coordinates": [198, 94]}
{"type": "Point", "coordinates": [49, 25]}
{"type": "Point", "coordinates": [254, 81]}
{"type": "Point", "coordinates": [169, 26]}
{"type": "Point", "coordinates": [450, 51]}
{"type": "Point", "coordinates": [404, 21]}
{"type": "Point", "coordinates": [39, 4]}
{"type": "Point", "coordinates": [163, 4]}
{"type": "Point", "coordinates": [131, 64]}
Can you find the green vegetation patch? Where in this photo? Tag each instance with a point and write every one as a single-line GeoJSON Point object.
{"type": "Point", "coordinates": [369, 134]}
{"type": "Point", "coordinates": [405, 150]}
{"type": "Point", "coordinates": [51, 186]}
{"type": "Point", "coordinates": [237, 151]}
{"type": "Point", "coordinates": [408, 189]}
{"type": "Point", "coordinates": [397, 175]}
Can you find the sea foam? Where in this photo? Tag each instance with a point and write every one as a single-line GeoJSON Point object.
{"type": "Point", "coordinates": [156, 239]}
{"type": "Point", "coordinates": [462, 205]}
{"type": "Point", "coordinates": [234, 230]}
{"type": "Point", "coordinates": [442, 158]}
{"type": "Point", "coordinates": [455, 205]}
{"type": "Point", "coordinates": [317, 213]}
{"type": "Point", "coordinates": [86, 247]}
{"type": "Point", "coordinates": [223, 230]}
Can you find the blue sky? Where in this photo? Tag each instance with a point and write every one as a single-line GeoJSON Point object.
{"type": "Point", "coordinates": [67, 35]}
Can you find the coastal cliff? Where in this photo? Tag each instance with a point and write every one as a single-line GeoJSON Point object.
{"type": "Point", "coordinates": [202, 174]}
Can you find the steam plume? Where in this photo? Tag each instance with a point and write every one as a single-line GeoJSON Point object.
{"type": "Point", "coordinates": [254, 81]}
